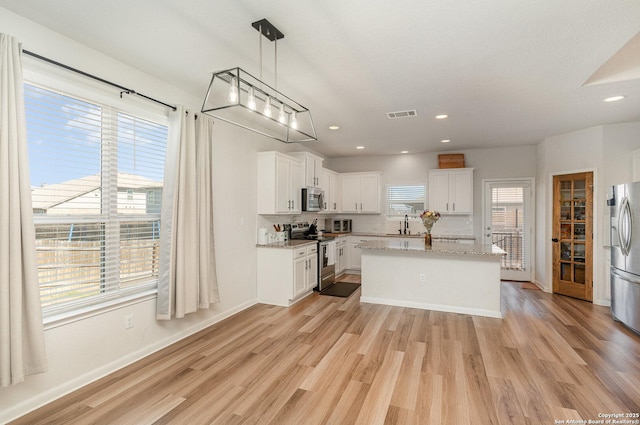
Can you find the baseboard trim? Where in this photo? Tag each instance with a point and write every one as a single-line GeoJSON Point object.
{"type": "Point", "coordinates": [436, 307]}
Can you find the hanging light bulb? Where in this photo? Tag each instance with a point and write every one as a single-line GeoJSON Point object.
{"type": "Point", "coordinates": [267, 107]}
{"type": "Point", "coordinates": [233, 91]}
{"type": "Point", "coordinates": [251, 101]}
{"type": "Point", "coordinates": [282, 117]}
{"type": "Point", "coordinates": [294, 121]}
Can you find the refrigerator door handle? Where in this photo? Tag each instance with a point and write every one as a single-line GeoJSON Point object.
{"type": "Point", "coordinates": [626, 276]}
{"type": "Point", "coordinates": [625, 224]}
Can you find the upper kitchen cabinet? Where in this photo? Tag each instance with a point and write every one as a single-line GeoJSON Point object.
{"type": "Point", "coordinates": [451, 191]}
{"type": "Point", "coordinates": [329, 182]}
{"type": "Point", "coordinates": [312, 168]}
{"type": "Point", "coordinates": [360, 193]}
{"type": "Point", "coordinates": [279, 184]}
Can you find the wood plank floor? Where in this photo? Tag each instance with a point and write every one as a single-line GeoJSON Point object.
{"type": "Point", "coordinates": [331, 360]}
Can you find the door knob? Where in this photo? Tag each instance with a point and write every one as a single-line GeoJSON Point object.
{"type": "Point", "coordinates": [554, 240]}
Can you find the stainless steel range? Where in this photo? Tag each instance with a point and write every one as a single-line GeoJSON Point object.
{"type": "Point", "coordinates": [326, 251]}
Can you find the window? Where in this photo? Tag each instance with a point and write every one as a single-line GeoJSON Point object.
{"type": "Point", "coordinates": [405, 200]}
{"type": "Point", "coordinates": [94, 170]}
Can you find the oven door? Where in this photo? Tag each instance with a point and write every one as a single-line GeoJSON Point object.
{"type": "Point", "coordinates": [326, 271]}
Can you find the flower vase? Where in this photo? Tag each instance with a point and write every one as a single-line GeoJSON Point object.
{"type": "Point", "coordinates": [427, 240]}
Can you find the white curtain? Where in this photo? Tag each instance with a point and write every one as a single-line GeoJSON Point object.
{"type": "Point", "coordinates": [22, 349]}
{"type": "Point", "coordinates": [187, 277]}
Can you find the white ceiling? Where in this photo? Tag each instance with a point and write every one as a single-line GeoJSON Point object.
{"type": "Point", "coordinates": [507, 72]}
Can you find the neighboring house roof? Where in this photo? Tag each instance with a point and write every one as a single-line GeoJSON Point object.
{"type": "Point", "coordinates": [49, 196]}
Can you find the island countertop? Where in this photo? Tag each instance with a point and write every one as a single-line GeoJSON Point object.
{"type": "Point", "coordinates": [443, 248]}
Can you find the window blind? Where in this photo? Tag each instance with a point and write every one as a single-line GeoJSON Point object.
{"type": "Point", "coordinates": [96, 175]}
{"type": "Point", "coordinates": [405, 200]}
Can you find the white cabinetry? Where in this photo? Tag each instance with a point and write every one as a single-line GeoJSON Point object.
{"type": "Point", "coordinates": [355, 254]}
{"type": "Point", "coordinates": [279, 184]}
{"type": "Point", "coordinates": [451, 191]}
{"type": "Point", "coordinates": [312, 167]}
{"type": "Point", "coordinates": [360, 193]}
{"type": "Point", "coordinates": [341, 255]}
{"type": "Point", "coordinates": [286, 275]}
{"type": "Point", "coordinates": [329, 183]}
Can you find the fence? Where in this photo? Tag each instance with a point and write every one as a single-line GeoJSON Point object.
{"type": "Point", "coordinates": [76, 269]}
{"type": "Point", "coordinates": [511, 242]}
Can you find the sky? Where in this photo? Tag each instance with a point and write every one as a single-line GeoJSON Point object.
{"type": "Point", "coordinates": [65, 137]}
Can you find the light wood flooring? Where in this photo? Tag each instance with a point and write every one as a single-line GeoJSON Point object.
{"type": "Point", "coordinates": [330, 360]}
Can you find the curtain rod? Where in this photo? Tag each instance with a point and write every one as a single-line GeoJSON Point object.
{"type": "Point", "coordinates": [124, 89]}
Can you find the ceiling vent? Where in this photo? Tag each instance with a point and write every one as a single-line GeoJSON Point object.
{"type": "Point", "coordinates": [401, 114]}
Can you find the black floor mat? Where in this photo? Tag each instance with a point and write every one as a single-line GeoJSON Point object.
{"type": "Point", "coordinates": [340, 289]}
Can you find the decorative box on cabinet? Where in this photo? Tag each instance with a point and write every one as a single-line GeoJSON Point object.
{"type": "Point", "coordinates": [286, 275]}
{"type": "Point", "coordinates": [451, 191]}
{"type": "Point", "coordinates": [361, 192]}
{"type": "Point", "coordinates": [279, 184]}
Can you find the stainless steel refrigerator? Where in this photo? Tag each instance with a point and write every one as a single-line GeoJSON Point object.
{"type": "Point", "coordinates": [625, 254]}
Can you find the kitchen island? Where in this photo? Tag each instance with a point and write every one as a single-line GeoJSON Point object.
{"type": "Point", "coordinates": [451, 277]}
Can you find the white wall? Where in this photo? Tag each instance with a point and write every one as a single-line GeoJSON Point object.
{"type": "Point", "coordinates": [494, 163]}
{"type": "Point", "coordinates": [83, 350]}
{"type": "Point", "coordinates": [605, 150]}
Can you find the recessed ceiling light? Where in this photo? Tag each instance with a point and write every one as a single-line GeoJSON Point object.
{"type": "Point", "coordinates": [404, 152]}
{"type": "Point", "coordinates": [442, 116]}
{"type": "Point", "coordinates": [613, 99]}
{"type": "Point", "coordinates": [445, 141]}
{"type": "Point", "coordinates": [334, 127]}
{"type": "Point", "coordinates": [359, 147]}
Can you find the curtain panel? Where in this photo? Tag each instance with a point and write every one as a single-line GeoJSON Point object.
{"type": "Point", "coordinates": [187, 278]}
{"type": "Point", "coordinates": [22, 349]}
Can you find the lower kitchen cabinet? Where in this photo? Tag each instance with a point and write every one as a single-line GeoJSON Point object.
{"type": "Point", "coordinates": [286, 275]}
{"type": "Point", "coordinates": [341, 255]}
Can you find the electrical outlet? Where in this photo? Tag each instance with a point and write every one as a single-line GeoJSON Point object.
{"type": "Point", "coordinates": [423, 277]}
{"type": "Point", "coordinates": [128, 321]}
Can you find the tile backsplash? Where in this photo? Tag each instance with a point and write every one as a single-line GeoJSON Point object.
{"type": "Point", "coordinates": [375, 223]}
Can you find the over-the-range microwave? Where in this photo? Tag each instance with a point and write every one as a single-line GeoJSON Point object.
{"type": "Point", "coordinates": [312, 199]}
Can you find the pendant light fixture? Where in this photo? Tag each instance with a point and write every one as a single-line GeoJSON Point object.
{"type": "Point", "coordinates": [237, 97]}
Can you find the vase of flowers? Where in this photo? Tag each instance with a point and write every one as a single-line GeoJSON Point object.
{"type": "Point", "coordinates": [429, 218]}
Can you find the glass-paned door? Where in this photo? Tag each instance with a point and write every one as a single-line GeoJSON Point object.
{"type": "Point", "coordinates": [507, 224]}
{"type": "Point", "coordinates": [572, 235]}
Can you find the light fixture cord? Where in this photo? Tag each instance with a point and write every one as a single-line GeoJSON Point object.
{"type": "Point", "coordinates": [260, 44]}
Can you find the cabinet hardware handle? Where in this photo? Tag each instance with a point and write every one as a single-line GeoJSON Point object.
{"type": "Point", "coordinates": [334, 206]}
{"type": "Point", "coordinates": [454, 206]}
{"type": "Point", "coordinates": [325, 205]}
{"type": "Point", "coordinates": [360, 206]}
{"type": "Point", "coordinates": [447, 206]}
{"type": "Point", "coordinates": [554, 240]}
{"type": "Point", "coordinates": [293, 205]}
{"type": "Point", "coordinates": [356, 206]}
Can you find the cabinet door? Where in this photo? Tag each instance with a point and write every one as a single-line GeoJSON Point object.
{"type": "Point", "coordinates": [439, 191]}
{"type": "Point", "coordinates": [295, 187]}
{"type": "Point", "coordinates": [334, 192]}
{"type": "Point", "coordinates": [300, 269]}
{"type": "Point", "coordinates": [350, 193]}
{"type": "Point", "coordinates": [325, 184]}
{"type": "Point", "coordinates": [283, 190]}
{"type": "Point", "coordinates": [312, 271]}
{"type": "Point", "coordinates": [355, 256]}
{"type": "Point", "coordinates": [461, 192]}
{"type": "Point", "coordinates": [369, 194]}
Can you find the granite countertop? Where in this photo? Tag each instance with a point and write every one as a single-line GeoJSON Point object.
{"type": "Point", "coordinates": [414, 236]}
{"type": "Point", "coordinates": [446, 248]}
{"type": "Point", "coordinates": [291, 244]}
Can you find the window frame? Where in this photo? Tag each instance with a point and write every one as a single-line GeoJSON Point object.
{"type": "Point", "coordinates": [411, 217]}
{"type": "Point", "coordinates": [64, 82]}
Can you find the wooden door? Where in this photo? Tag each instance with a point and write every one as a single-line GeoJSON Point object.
{"type": "Point", "coordinates": [573, 235]}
